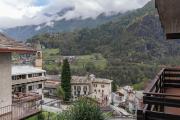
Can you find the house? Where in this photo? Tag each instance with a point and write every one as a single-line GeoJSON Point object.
{"type": "Point", "coordinates": [128, 98]}
{"type": "Point", "coordinates": [90, 86]}
{"type": "Point", "coordinates": [8, 109]}
{"type": "Point", "coordinates": [27, 79]}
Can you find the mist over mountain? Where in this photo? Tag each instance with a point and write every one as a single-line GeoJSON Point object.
{"type": "Point", "coordinates": [56, 25]}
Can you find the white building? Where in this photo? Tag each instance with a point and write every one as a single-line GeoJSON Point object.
{"type": "Point", "coordinates": [28, 79]}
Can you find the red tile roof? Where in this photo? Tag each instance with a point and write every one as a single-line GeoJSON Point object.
{"type": "Point", "coordinates": [8, 44]}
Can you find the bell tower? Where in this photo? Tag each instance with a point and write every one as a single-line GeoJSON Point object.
{"type": "Point", "coordinates": [38, 59]}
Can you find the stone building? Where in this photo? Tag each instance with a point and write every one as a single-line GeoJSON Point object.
{"type": "Point", "coordinates": [89, 86]}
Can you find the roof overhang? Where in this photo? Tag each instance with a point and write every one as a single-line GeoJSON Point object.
{"type": "Point", "coordinates": [169, 13]}
{"type": "Point", "coordinates": [16, 50]}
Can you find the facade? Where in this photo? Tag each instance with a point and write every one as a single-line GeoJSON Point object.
{"type": "Point", "coordinates": [26, 79]}
{"type": "Point", "coordinates": [128, 98]}
{"type": "Point", "coordinates": [96, 88]}
{"type": "Point", "coordinates": [7, 47]}
{"type": "Point", "coordinates": [5, 74]}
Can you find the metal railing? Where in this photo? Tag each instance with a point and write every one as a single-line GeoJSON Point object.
{"type": "Point", "coordinates": [19, 110]}
{"type": "Point", "coordinates": [155, 98]}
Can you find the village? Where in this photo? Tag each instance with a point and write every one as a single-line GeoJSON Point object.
{"type": "Point", "coordinates": [41, 80]}
{"type": "Point", "coordinates": [31, 86]}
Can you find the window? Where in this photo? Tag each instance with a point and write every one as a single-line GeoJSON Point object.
{"type": "Point", "coordinates": [95, 85]}
{"type": "Point", "coordinates": [102, 86]}
{"type": "Point", "coordinates": [74, 87]}
{"type": "Point", "coordinates": [102, 91]}
{"type": "Point", "coordinates": [99, 90]}
{"type": "Point", "coordinates": [13, 77]}
{"type": "Point", "coordinates": [18, 77]}
{"type": "Point", "coordinates": [95, 91]}
{"type": "Point", "coordinates": [23, 76]}
{"type": "Point", "coordinates": [39, 74]}
{"type": "Point", "coordinates": [38, 55]}
{"type": "Point", "coordinates": [29, 75]}
{"type": "Point", "coordinates": [85, 90]}
{"type": "Point", "coordinates": [78, 88]}
{"type": "Point", "coordinates": [29, 88]}
{"type": "Point", "coordinates": [39, 86]}
{"type": "Point", "coordinates": [44, 73]}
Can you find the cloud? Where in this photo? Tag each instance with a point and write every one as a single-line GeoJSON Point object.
{"type": "Point", "coordinates": [32, 12]}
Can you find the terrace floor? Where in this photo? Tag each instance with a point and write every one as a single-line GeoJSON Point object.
{"type": "Point", "coordinates": [173, 110]}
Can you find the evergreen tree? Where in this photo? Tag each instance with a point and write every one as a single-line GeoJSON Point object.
{"type": "Point", "coordinates": [114, 87]}
{"type": "Point", "coordinates": [66, 80]}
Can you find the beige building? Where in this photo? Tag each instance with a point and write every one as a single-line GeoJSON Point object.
{"type": "Point", "coordinates": [90, 86]}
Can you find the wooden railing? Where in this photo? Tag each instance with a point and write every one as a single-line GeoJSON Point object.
{"type": "Point", "coordinates": [155, 97]}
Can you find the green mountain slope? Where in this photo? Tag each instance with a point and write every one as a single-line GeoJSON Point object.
{"type": "Point", "coordinates": [134, 45]}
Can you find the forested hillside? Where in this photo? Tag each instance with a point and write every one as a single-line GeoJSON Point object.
{"type": "Point", "coordinates": [134, 46]}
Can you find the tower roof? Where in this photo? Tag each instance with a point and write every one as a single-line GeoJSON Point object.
{"type": "Point", "coordinates": [38, 46]}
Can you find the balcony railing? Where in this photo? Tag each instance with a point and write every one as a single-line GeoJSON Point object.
{"type": "Point", "coordinates": [24, 105]}
{"type": "Point", "coordinates": [159, 103]}
{"type": "Point", "coordinates": [19, 111]}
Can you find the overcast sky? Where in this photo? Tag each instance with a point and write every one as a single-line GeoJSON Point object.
{"type": "Point", "coordinates": [27, 12]}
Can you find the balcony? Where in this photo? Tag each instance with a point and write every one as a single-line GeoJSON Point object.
{"type": "Point", "coordinates": [162, 97]}
{"type": "Point", "coordinates": [24, 106]}
{"type": "Point", "coordinates": [29, 80]}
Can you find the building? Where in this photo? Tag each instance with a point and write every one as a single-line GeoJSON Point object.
{"type": "Point", "coordinates": [162, 96]}
{"type": "Point", "coordinates": [28, 79]}
{"type": "Point", "coordinates": [90, 86]}
{"type": "Point", "coordinates": [127, 98]}
{"type": "Point", "coordinates": [38, 61]}
{"type": "Point", "coordinates": [8, 109]}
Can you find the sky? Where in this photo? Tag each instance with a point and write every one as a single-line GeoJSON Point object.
{"type": "Point", "coordinates": [32, 12]}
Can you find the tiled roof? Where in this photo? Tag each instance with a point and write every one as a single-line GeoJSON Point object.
{"type": "Point", "coordinates": [80, 79]}
{"type": "Point", "coordinates": [8, 44]}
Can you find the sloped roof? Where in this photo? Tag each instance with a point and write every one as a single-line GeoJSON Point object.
{"type": "Point", "coordinates": [25, 69]}
{"type": "Point", "coordinates": [8, 44]}
{"type": "Point", "coordinates": [169, 14]}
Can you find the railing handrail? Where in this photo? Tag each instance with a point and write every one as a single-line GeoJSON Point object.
{"type": "Point", "coordinates": [154, 81]}
{"type": "Point", "coordinates": [161, 94]}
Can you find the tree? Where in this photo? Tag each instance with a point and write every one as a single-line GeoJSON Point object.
{"type": "Point", "coordinates": [83, 109]}
{"type": "Point", "coordinates": [114, 87]}
{"type": "Point", "coordinates": [66, 80]}
{"type": "Point", "coordinates": [60, 92]}
{"type": "Point", "coordinates": [89, 67]}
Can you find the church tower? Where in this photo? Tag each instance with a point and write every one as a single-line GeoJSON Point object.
{"type": "Point", "coordinates": [38, 59]}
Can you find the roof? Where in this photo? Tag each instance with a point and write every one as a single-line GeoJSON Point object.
{"type": "Point", "coordinates": [80, 80]}
{"type": "Point", "coordinates": [101, 80]}
{"type": "Point", "coordinates": [8, 44]}
{"type": "Point", "coordinates": [25, 69]}
{"type": "Point", "coordinates": [53, 77]}
{"type": "Point", "coordinates": [169, 16]}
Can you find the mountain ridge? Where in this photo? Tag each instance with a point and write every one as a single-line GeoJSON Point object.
{"type": "Point", "coordinates": [24, 32]}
